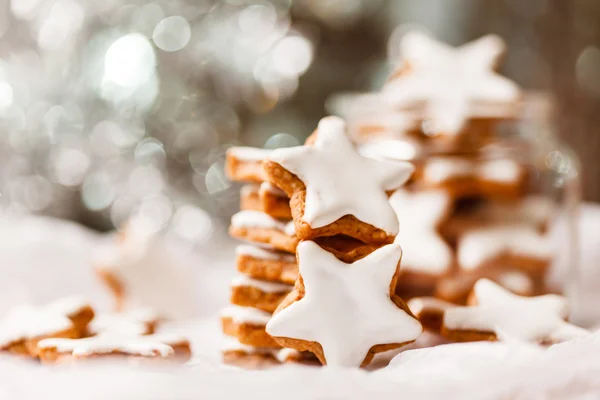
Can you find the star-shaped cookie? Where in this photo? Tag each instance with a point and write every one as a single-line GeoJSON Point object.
{"type": "Point", "coordinates": [344, 313]}
{"type": "Point", "coordinates": [451, 85]}
{"type": "Point", "coordinates": [334, 190]}
{"type": "Point", "coordinates": [501, 315]}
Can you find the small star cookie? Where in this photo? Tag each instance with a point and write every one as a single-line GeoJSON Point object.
{"type": "Point", "coordinates": [334, 190]}
{"type": "Point", "coordinates": [452, 85]}
{"type": "Point", "coordinates": [344, 313]}
{"type": "Point", "coordinates": [501, 315]}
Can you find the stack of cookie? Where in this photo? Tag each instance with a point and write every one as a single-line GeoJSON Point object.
{"type": "Point", "coordinates": [266, 263]}
{"type": "Point", "coordinates": [470, 210]}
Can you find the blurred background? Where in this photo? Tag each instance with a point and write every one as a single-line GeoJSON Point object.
{"type": "Point", "coordinates": [122, 107]}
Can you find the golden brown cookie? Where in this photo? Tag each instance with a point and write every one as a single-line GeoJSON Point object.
{"type": "Point", "coordinates": [249, 357]}
{"type": "Point", "coordinates": [268, 265]}
{"type": "Point", "coordinates": [243, 164]}
{"type": "Point", "coordinates": [258, 227]}
{"type": "Point", "coordinates": [429, 311]}
{"type": "Point", "coordinates": [247, 325]}
{"type": "Point", "coordinates": [265, 198]}
{"type": "Point", "coordinates": [264, 295]}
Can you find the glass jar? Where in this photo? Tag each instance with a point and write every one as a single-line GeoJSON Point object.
{"type": "Point", "coordinates": [514, 196]}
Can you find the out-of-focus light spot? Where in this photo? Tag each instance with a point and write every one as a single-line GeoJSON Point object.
{"type": "Point", "coordinates": [121, 209]}
{"type": "Point", "coordinates": [281, 140]}
{"type": "Point", "coordinates": [258, 19]}
{"type": "Point", "coordinates": [70, 166]}
{"type": "Point", "coordinates": [38, 193]}
{"type": "Point", "coordinates": [25, 9]}
{"type": "Point", "coordinates": [156, 211]}
{"type": "Point", "coordinates": [6, 95]}
{"type": "Point", "coordinates": [192, 224]}
{"type": "Point", "coordinates": [98, 191]}
{"type": "Point", "coordinates": [145, 181]}
{"type": "Point", "coordinates": [292, 55]}
{"type": "Point", "coordinates": [560, 163]}
{"type": "Point", "coordinates": [129, 61]}
{"type": "Point", "coordinates": [215, 178]}
{"type": "Point", "coordinates": [172, 33]}
{"type": "Point", "coordinates": [150, 151]}
{"type": "Point", "coordinates": [586, 70]}
{"type": "Point", "coordinates": [62, 23]}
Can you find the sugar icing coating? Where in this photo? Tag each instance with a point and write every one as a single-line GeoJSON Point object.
{"type": "Point", "coordinates": [146, 346]}
{"type": "Point", "coordinates": [259, 219]}
{"type": "Point", "coordinates": [391, 149]}
{"type": "Point", "coordinates": [418, 304]}
{"type": "Point", "coordinates": [483, 244]}
{"type": "Point", "coordinates": [133, 322]}
{"type": "Point", "coordinates": [263, 286]}
{"type": "Point", "coordinates": [346, 307]}
{"type": "Point", "coordinates": [516, 282]}
{"type": "Point", "coordinates": [249, 315]}
{"type": "Point", "coordinates": [263, 254]}
{"type": "Point", "coordinates": [27, 321]}
{"type": "Point", "coordinates": [451, 83]}
{"type": "Point", "coordinates": [440, 169]}
{"type": "Point", "coordinates": [332, 191]}
{"type": "Point", "coordinates": [249, 189]}
{"type": "Point", "coordinates": [248, 153]}
{"type": "Point", "coordinates": [509, 316]}
{"type": "Point", "coordinates": [268, 187]}
{"type": "Point", "coordinates": [419, 214]}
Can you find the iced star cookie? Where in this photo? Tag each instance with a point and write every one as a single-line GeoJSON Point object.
{"type": "Point", "coordinates": [498, 314]}
{"type": "Point", "coordinates": [429, 311]}
{"type": "Point", "coordinates": [141, 321]}
{"type": "Point", "coordinates": [344, 313]}
{"type": "Point", "coordinates": [247, 325]}
{"type": "Point", "coordinates": [517, 245]}
{"type": "Point", "coordinates": [265, 198]}
{"type": "Point", "coordinates": [248, 357]}
{"type": "Point", "coordinates": [264, 295]}
{"type": "Point", "coordinates": [243, 164]}
{"type": "Point", "coordinates": [23, 327]}
{"type": "Point", "coordinates": [456, 288]}
{"type": "Point", "coordinates": [449, 86]}
{"type": "Point", "coordinates": [426, 256]}
{"type": "Point", "coordinates": [464, 177]}
{"type": "Point", "coordinates": [333, 190]}
{"type": "Point", "coordinates": [258, 227]}
{"type": "Point", "coordinates": [269, 265]}
{"type": "Point", "coordinates": [116, 345]}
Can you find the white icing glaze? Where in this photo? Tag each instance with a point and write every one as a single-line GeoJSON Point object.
{"type": "Point", "coordinates": [259, 219]}
{"type": "Point", "coordinates": [134, 322]}
{"type": "Point", "coordinates": [146, 346]}
{"type": "Point", "coordinates": [263, 254]}
{"type": "Point", "coordinates": [449, 84]}
{"type": "Point", "coordinates": [441, 169]}
{"type": "Point", "coordinates": [341, 182]}
{"type": "Point", "coordinates": [509, 316]}
{"type": "Point", "coordinates": [25, 322]}
{"type": "Point", "coordinates": [285, 355]}
{"type": "Point", "coordinates": [241, 315]}
{"type": "Point", "coordinates": [289, 228]}
{"type": "Point", "coordinates": [419, 213]}
{"type": "Point", "coordinates": [483, 244]}
{"type": "Point", "coordinates": [391, 149]}
{"type": "Point", "coordinates": [418, 304]}
{"type": "Point", "coordinates": [263, 286]}
{"type": "Point", "coordinates": [234, 345]}
{"type": "Point", "coordinates": [346, 307]}
{"type": "Point", "coordinates": [516, 282]}
{"type": "Point", "coordinates": [268, 187]}
{"type": "Point", "coordinates": [249, 189]}
{"type": "Point", "coordinates": [248, 153]}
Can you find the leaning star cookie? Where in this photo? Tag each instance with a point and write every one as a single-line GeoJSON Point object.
{"type": "Point", "coordinates": [264, 295]}
{"type": "Point", "coordinates": [247, 324]}
{"type": "Point", "coordinates": [334, 190]}
{"type": "Point", "coordinates": [451, 85]}
{"type": "Point", "coordinates": [154, 347]}
{"type": "Point", "coordinates": [344, 313]}
{"type": "Point", "coordinates": [517, 245]}
{"type": "Point", "coordinates": [24, 326]}
{"type": "Point", "coordinates": [501, 315]}
{"type": "Point", "coordinates": [500, 178]}
{"type": "Point", "coordinates": [243, 164]}
{"type": "Point", "coordinates": [268, 265]}
{"type": "Point", "coordinates": [426, 256]}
